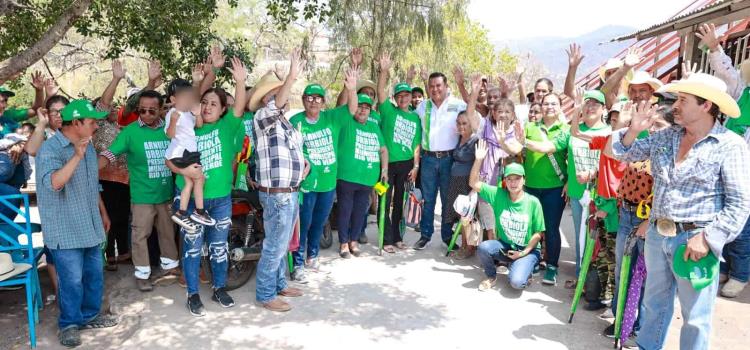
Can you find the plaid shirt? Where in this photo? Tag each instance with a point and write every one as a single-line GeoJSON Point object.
{"type": "Point", "coordinates": [70, 216]}
{"type": "Point", "coordinates": [710, 188]}
{"type": "Point", "coordinates": [278, 149]}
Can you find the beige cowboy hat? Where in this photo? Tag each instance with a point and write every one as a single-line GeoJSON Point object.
{"type": "Point", "coordinates": [363, 83]}
{"type": "Point", "coordinates": [266, 83]}
{"type": "Point", "coordinates": [642, 77]}
{"type": "Point", "coordinates": [612, 63]}
{"type": "Point", "coordinates": [708, 87]}
{"type": "Point", "coordinates": [9, 269]}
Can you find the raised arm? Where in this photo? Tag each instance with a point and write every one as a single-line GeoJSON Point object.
{"type": "Point", "coordinates": [38, 82]}
{"type": "Point", "coordinates": [519, 84]}
{"type": "Point", "coordinates": [471, 108]}
{"type": "Point", "coordinates": [458, 74]}
{"type": "Point", "coordinates": [575, 56]}
{"type": "Point", "coordinates": [355, 62]}
{"type": "Point", "coordinates": [154, 75]}
{"type": "Point", "coordinates": [350, 86]}
{"type": "Point", "coordinates": [610, 88]}
{"type": "Point", "coordinates": [575, 121]}
{"type": "Point", "coordinates": [239, 73]}
{"type": "Point", "coordinates": [37, 137]}
{"type": "Point", "coordinates": [385, 66]}
{"type": "Point", "coordinates": [215, 61]}
{"type": "Point", "coordinates": [118, 72]}
{"type": "Point", "coordinates": [480, 152]}
{"type": "Point", "coordinates": [410, 74]}
{"type": "Point", "coordinates": [295, 68]}
{"type": "Point", "coordinates": [720, 62]}
{"type": "Point", "coordinates": [425, 76]}
{"type": "Point", "coordinates": [625, 146]}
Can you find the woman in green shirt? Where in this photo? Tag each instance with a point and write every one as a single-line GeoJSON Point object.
{"type": "Point", "coordinates": [518, 220]}
{"type": "Point", "coordinates": [320, 131]}
{"type": "Point", "coordinates": [363, 158]}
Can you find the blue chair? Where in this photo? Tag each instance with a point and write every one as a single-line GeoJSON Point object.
{"type": "Point", "coordinates": [22, 253]}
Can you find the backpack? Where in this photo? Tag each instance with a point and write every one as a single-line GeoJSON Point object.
{"type": "Point", "coordinates": [413, 206]}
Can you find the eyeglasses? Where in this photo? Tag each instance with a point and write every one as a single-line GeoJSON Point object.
{"type": "Point", "coordinates": [54, 111]}
{"type": "Point", "coordinates": [152, 111]}
{"type": "Point", "coordinates": [312, 98]}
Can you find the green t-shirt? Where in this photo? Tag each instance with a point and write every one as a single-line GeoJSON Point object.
{"type": "Point", "coordinates": [217, 143]}
{"type": "Point", "coordinates": [540, 173]}
{"type": "Point", "coordinates": [580, 156]}
{"type": "Point", "coordinates": [515, 222]}
{"type": "Point", "coordinates": [359, 152]}
{"type": "Point", "coordinates": [374, 117]}
{"type": "Point", "coordinates": [320, 140]}
{"type": "Point", "coordinates": [402, 132]}
{"type": "Point", "coordinates": [150, 179]}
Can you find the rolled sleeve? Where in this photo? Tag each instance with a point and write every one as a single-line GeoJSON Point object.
{"type": "Point", "coordinates": [732, 217]}
{"type": "Point", "coordinates": [724, 70]}
{"type": "Point", "coordinates": [47, 163]}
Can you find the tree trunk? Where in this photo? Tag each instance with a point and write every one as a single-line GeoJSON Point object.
{"type": "Point", "coordinates": [49, 39]}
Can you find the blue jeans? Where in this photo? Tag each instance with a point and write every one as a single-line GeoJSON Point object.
{"type": "Point", "coordinates": [279, 215]}
{"type": "Point", "coordinates": [7, 167]}
{"type": "Point", "coordinates": [658, 300]}
{"type": "Point", "coordinates": [553, 205]}
{"type": "Point", "coordinates": [435, 176]}
{"type": "Point", "coordinates": [519, 271]}
{"type": "Point", "coordinates": [628, 221]}
{"type": "Point", "coordinates": [80, 280]}
{"type": "Point", "coordinates": [313, 215]}
{"type": "Point", "coordinates": [580, 213]}
{"type": "Point", "coordinates": [353, 202]}
{"type": "Point", "coordinates": [737, 256]}
{"type": "Point", "coordinates": [216, 236]}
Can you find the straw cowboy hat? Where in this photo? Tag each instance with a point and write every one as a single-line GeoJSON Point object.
{"type": "Point", "coordinates": [642, 77]}
{"type": "Point", "coordinates": [363, 83]}
{"type": "Point", "coordinates": [612, 63]}
{"type": "Point", "coordinates": [9, 269]}
{"type": "Point", "coordinates": [708, 87]}
{"type": "Point", "coordinates": [266, 83]}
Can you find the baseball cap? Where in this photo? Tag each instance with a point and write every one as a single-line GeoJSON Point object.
{"type": "Point", "coordinates": [699, 273]}
{"type": "Point", "coordinates": [6, 92]}
{"type": "Point", "coordinates": [594, 94]}
{"type": "Point", "coordinates": [401, 87]}
{"type": "Point", "coordinates": [514, 169]}
{"type": "Point", "coordinates": [81, 109]}
{"type": "Point", "coordinates": [362, 98]}
{"type": "Point", "coordinates": [314, 89]}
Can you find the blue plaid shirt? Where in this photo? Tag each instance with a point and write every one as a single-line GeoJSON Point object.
{"type": "Point", "coordinates": [710, 188]}
{"type": "Point", "coordinates": [70, 216]}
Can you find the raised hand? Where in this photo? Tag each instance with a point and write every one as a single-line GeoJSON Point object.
{"type": "Point", "coordinates": [411, 73]}
{"type": "Point", "coordinates": [480, 150]}
{"type": "Point", "coordinates": [519, 133]}
{"type": "Point", "coordinates": [643, 116]}
{"type": "Point", "coordinates": [688, 68]}
{"type": "Point", "coordinates": [81, 145]}
{"type": "Point", "coordinates": [37, 80]}
{"type": "Point", "coordinates": [198, 73]}
{"type": "Point", "coordinates": [707, 34]}
{"type": "Point", "coordinates": [356, 57]}
{"type": "Point", "coordinates": [575, 56]}
{"type": "Point", "coordinates": [350, 78]}
{"type": "Point", "coordinates": [42, 117]}
{"type": "Point", "coordinates": [458, 74]}
{"type": "Point", "coordinates": [154, 71]}
{"type": "Point", "coordinates": [118, 72]}
{"type": "Point", "coordinates": [502, 84]}
{"type": "Point", "coordinates": [424, 73]}
{"type": "Point", "coordinates": [217, 57]}
{"type": "Point", "coordinates": [476, 82]}
{"type": "Point", "coordinates": [520, 70]}
{"type": "Point", "coordinates": [633, 57]}
{"type": "Point", "coordinates": [385, 62]}
{"type": "Point", "coordinates": [578, 97]}
{"type": "Point", "coordinates": [50, 87]}
{"type": "Point", "coordinates": [279, 69]}
{"type": "Point", "coordinates": [297, 64]}
{"type": "Point", "coordinates": [238, 70]}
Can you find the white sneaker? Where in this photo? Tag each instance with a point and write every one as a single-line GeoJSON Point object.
{"type": "Point", "coordinates": [607, 314]}
{"type": "Point", "coordinates": [733, 288]}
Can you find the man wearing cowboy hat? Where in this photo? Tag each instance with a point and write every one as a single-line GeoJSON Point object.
{"type": "Point", "coordinates": [74, 219]}
{"type": "Point", "coordinates": [701, 201]}
{"type": "Point", "coordinates": [641, 85]}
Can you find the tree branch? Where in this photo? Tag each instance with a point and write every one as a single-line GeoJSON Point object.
{"type": "Point", "coordinates": [52, 36]}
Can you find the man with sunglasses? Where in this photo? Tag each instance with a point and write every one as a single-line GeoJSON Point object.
{"type": "Point", "coordinates": [151, 187]}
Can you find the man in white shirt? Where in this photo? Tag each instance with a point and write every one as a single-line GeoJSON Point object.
{"type": "Point", "coordinates": [439, 138]}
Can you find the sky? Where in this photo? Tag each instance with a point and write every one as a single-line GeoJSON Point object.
{"type": "Point", "coordinates": [567, 18]}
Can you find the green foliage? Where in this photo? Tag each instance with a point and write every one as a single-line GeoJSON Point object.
{"type": "Point", "coordinates": [288, 11]}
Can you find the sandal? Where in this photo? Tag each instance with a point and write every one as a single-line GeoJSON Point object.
{"type": "Point", "coordinates": [400, 245]}
{"type": "Point", "coordinates": [571, 284]}
{"type": "Point", "coordinates": [389, 249]}
{"type": "Point", "coordinates": [487, 284]}
{"type": "Point", "coordinates": [101, 321]}
{"type": "Point", "coordinates": [70, 337]}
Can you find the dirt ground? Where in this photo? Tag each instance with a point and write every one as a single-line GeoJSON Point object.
{"type": "Point", "coordinates": [408, 300]}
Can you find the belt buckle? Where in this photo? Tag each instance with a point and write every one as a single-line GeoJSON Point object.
{"type": "Point", "coordinates": [666, 227]}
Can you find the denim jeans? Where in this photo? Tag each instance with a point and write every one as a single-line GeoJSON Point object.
{"type": "Point", "coordinates": [353, 202]}
{"type": "Point", "coordinates": [658, 300]}
{"type": "Point", "coordinates": [279, 215]}
{"type": "Point", "coordinates": [737, 256]}
{"type": "Point", "coordinates": [7, 167]}
{"type": "Point", "coordinates": [436, 176]}
{"type": "Point", "coordinates": [80, 280]}
{"type": "Point", "coordinates": [520, 269]}
{"type": "Point", "coordinates": [215, 236]}
{"type": "Point", "coordinates": [553, 205]}
{"type": "Point", "coordinates": [580, 214]}
{"type": "Point", "coordinates": [313, 215]}
{"type": "Point", "coordinates": [628, 221]}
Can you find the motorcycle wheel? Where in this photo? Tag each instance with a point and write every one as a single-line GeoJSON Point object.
{"type": "Point", "coordinates": [239, 273]}
{"type": "Point", "coordinates": [327, 239]}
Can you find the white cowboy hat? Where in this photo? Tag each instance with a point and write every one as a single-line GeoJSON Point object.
{"type": "Point", "coordinates": [612, 63]}
{"type": "Point", "coordinates": [363, 83]}
{"type": "Point", "coordinates": [266, 83]}
{"type": "Point", "coordinates": [9, 269]}
{"type": "Point", "coordinates": [642, 77]}
{"type": "Point", "coordinates": [708, 87]}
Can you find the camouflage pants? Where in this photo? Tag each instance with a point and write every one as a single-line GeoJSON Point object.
{"type": "Point", "coordinates": [605, 264]}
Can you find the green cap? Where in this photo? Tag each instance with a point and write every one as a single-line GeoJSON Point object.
{"type": "Point", "coordinates": [6, 92]}
{"type": "Point", "coordinates": [514, 169]}
{"type": "Point", "coordinates": [81, 109]}
{"type": "Point", "coordinates": [314, 89]}
{"type": "Point", "coordinates": [594, 94]}
{"type": "Point", "coordinates": [362, 98]}
{"type": "Point", "coordinates": [700, 273]}
{"type": "Point", "coordinates": [401, 87]}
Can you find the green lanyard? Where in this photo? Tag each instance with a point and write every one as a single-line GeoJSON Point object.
{"type": "Point", "coordinates": [426, 136]}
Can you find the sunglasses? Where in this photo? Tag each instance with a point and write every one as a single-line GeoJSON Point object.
{"type": "Point", "coordinates": [311, 98]}
{"type": "Point", "coordinates": [151, 111]}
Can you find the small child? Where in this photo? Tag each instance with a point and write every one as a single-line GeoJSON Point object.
{"type": "Point", "coordinates": [180, 124]}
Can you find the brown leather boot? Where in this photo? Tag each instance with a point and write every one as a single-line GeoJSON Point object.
{"type": "Point", "coordinates": [277, 305]}
{"type": "Point", "coordinates": [291, 292]}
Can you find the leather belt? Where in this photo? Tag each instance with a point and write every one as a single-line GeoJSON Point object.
{"type": "Point", "coordinates": [437, 154]}
{"type": "Point", "coordinates": [277, 189]}
{"type": "Point", "coordinates": [628, 205]}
